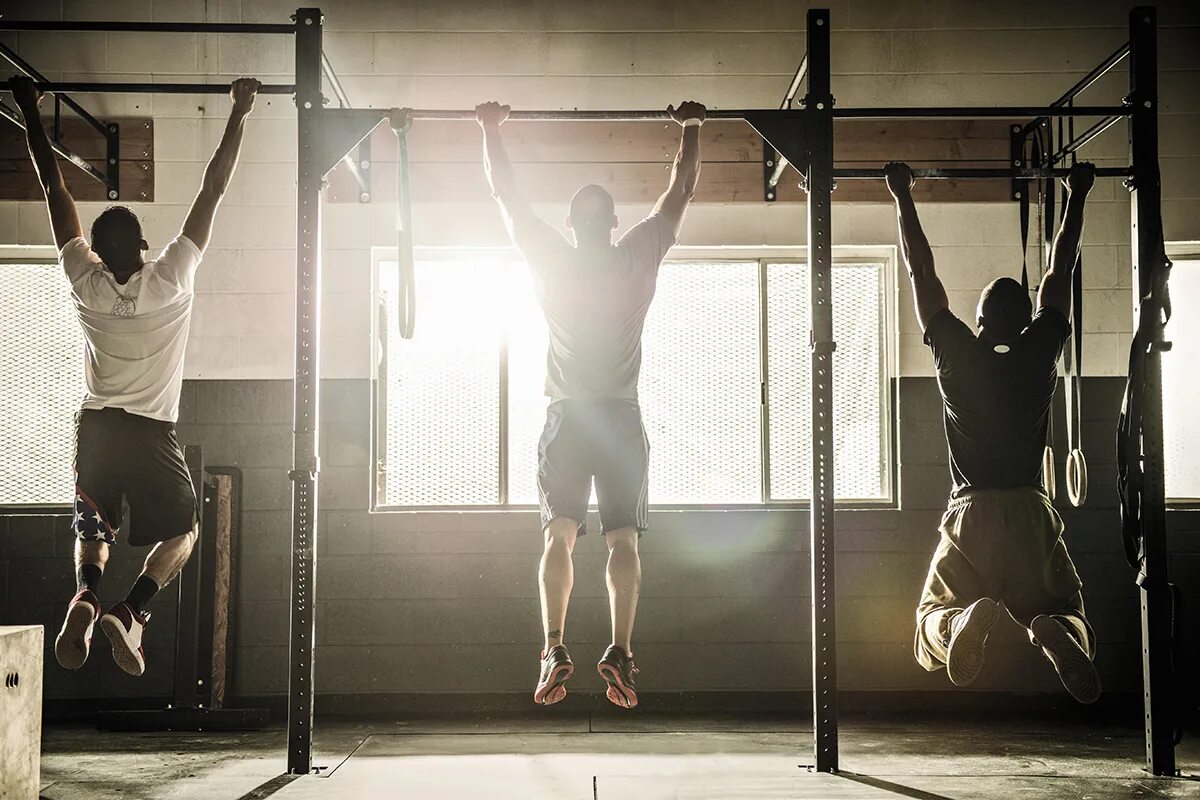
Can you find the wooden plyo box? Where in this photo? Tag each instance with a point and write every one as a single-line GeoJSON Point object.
{"type": "Point", "coordinates": [20, 711]}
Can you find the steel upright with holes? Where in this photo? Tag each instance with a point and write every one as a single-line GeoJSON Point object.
{"type": "Point", "coordinates": [305, 466]}
{"type": "Point", "coordinates": [819, 135]}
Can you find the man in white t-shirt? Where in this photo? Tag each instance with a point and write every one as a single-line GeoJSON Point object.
{"type": "Point", "coordinates": [130, 476]}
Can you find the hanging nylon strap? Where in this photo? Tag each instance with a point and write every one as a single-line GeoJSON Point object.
{"type": "Point", "coordinates": [1073, 362]}
{"type": "Point", "coordinates": [1048, 482]}
{"type": "Point", "coordinates": [1073, 385]}
{"type": "Point", "coordinates": [401, 122]}
{"type": "Point", "coordinates": [1154, 311]}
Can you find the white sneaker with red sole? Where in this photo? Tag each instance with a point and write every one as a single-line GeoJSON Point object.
{"type": "Point", "coordinates": [123, 626]}
{"type": "Point", "coordinates": [74, 641]}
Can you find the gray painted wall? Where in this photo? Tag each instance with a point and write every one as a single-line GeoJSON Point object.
{"type": "Point", "coordinates": [447, 602]}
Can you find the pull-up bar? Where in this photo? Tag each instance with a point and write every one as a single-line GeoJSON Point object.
{"type": "Point", "coordinates": [966, 112]}
{"type": "Point", "coordinates": [980, 112]}
{"type": "Point", "coordinates": [146, 27]}
{"type": "Point", "coordinates": [979, 173]}
{"type": "Point", "coordinates": [59, 87]}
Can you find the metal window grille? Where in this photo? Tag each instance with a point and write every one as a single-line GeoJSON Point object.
{"type": "Point", "coordinates": [700, 389]}
{"type": "Point", "coordinates": [1181, 428]}
{"type": "Point", "coordinates": [447, 438]}
{"type": "Point", "coordinates": [442, 427]}
{"type": "Point", "coordinates": [860, 386]}
{"type": "Point", "coordinates": [41, 351]}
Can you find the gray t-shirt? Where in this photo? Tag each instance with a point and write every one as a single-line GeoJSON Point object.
{"type": "Point", "coordinates": [595, 302]}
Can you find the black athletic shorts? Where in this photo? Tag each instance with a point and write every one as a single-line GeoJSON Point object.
{"type": "Point", "coordinates": [125, 461]}
{"type": "Point", "coordinates": [600, 440]}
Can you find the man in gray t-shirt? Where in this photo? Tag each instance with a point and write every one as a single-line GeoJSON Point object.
{"type": "Point", "coordinates": [595, 295]}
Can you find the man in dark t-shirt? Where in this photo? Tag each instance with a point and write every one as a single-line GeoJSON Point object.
{"type": "Point", "coordinates": [594, 295]}
{"type": "Point", "coordinates": [1001, 540]}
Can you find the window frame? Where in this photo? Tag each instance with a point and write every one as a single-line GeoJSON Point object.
{"type": "Point", "coordinates": [46, 255]}
{"type": "Point", "coordinates": [764, 255]}
{"type": "Point", "coordinates": [1182, 251]}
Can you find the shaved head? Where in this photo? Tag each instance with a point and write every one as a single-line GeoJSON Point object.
{"type": "Point", "coordinates": [1004, 310]}
{"type": "Point", "coordinates": [592, 215]}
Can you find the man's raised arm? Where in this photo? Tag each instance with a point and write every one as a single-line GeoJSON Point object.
{"type": "Point", "coordinates": [518, 214]}
{"type": "Point", "coordinates": [929, 295]}
{"type": "Point", "coordinates": [686, 170]}
{"type": "Point", "coordinates": [199, 222]}
{"type": "Point", "coordinates": [1055, 291]}
{"type": "Point", "coordinates": [64, 219]}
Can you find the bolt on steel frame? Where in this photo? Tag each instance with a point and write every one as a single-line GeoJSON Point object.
{"type": "Point", "coordinates": [802, 137]}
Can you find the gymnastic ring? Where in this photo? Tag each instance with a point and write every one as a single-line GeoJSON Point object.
{"type": "Point", "coordinates": [1077, 483]}
{"type": "Point", "coordinates": [1048, 471]}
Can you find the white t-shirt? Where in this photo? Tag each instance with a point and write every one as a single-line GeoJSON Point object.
{"type": "Point", "coordinates": [135, 334]}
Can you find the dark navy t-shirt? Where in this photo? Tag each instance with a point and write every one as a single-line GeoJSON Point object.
{"type": "Point", "coordinates": [997, 404]}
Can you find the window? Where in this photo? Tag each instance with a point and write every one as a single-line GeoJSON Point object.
{"type": "Point", "coordinates": [1181, 428]}
{"type": "Point", "coordinates": [41, 348]}
{"type": "Point", "coordinates": [724, 386]}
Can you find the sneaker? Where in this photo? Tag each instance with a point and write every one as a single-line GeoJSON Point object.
{"type": "Point", "coordinates": [968, 636]}
{"type": "Point", "coordinates": [557, 667]}
{"type": "Point", "coordinates": [123, 626]}
{"type": "Point", "coordinates": [617, 668]}
{"type": "Point", "coordinates": [74, 641]}
{"type": "Point", "coordinates": [1075, 669]}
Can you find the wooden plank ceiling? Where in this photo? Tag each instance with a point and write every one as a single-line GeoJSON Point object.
{"type": "Point", "coordinates": [633, 160]}
{"type": "Point", "coordinates": [19, 182]}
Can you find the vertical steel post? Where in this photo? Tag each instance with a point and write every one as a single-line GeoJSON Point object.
{"type": "Point", "coordinates": [309, 172]}
{"type": "Point", "coordinates": [818, 117]}
{"type": "Point", "coordinates": [1146, 210]}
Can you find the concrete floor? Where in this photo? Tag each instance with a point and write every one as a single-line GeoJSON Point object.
{"type": "Point", "coordinates": [633, 757]}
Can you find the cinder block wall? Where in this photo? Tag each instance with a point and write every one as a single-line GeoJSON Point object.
{"type": "Point", "coordinates": [396, 591]}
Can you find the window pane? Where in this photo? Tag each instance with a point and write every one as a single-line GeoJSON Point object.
{"type": "Point", "coordinates": [441, 387]}
{"type": "Point", "coordinates": [527, 342]}
{"type": "Point", "coordinates": [41, 348]}
{"type": "Point", "coordinates": [859, 382]}
{"type": "Point", "coordinates": [700, 389]}
{"type": "Point", "coordinates": [1181, 427]}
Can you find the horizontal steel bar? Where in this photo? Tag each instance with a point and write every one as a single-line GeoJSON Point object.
{"type": "Point", "coordinates": [566, 115]}
{"type": "Point", "coordinates": [969, 173]}
{"type": "Point", "coordinates": [157, 88]}
{"type": "Point", "coordinates": [146, 27]}
{"type": "Point", "coordinates": [15, 118]}
{"type": "Point", "coordinates": [980, 112]}
{"type": "Point", "coordinates": [1084, 138]}
{"type": "Point", "coordinates": [21, 64]}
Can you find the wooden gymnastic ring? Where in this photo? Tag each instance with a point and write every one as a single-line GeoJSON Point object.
{"type": "Point", "coordinates": [1077, 482]}
{"type": "Point", "coordinates": [1048, 472]}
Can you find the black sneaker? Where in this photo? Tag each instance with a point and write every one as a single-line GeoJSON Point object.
{"type": "Point", "coordinates": [557, 667]}
{"type": "Point", "coordinates": [1075, 670]}
{"type": "Point", "coordinates": [617, 668]}
{"type": "Point", "coordinates": [968, 637]}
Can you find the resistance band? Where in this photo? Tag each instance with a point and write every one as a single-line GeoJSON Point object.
{"type": "Point", "coordinates": [401, 122]}
{"type": "Point", "coordinates": [1154, 312]}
